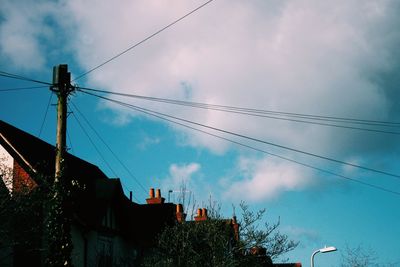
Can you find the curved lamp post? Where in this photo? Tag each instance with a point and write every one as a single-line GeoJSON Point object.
{"type": "Point", "coordinates": [322, 250]}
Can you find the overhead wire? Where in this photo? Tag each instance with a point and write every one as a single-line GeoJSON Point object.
{"type": "Point", "coordinates": [263, 113]}
{"type": "Point", "coordinates": [250, 110]}
{"type": "Point", "coordinates": [165, 117]}
{"type": "Point", "coordinates": [127, 189]}
{"type": "Point", "coordinates": [93, 144]}
{"type": "Point", "coordinates": [45, 114]}
{"type": "Point", "coordinates": [109, 148]}
{"type": "Point", "coordinates": [70, 142]}
{"type": "Point", "coordinates": [19, 77]}
{"type": "Point", "coordinates": [153, 113]}
{"type": "Point", "coordinates": [261, 141]}
{"type": "Point", "coordinates": [142, 41]}
{"type": "Point", "coordinates": [22, 88]}
{"type": "Point", "coordinates": [98, 151]}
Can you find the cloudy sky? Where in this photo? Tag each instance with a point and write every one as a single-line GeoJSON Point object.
{"type": "Point", "coordinates": [335, 59]}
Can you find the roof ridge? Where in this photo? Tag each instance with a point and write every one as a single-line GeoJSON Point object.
{"type": "Point", "coordinates": [34, 151]}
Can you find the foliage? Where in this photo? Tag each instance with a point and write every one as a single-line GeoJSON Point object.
{"type": "Point", "coordinates": [59, 226]}
{"type": "Point", "coordinates": [29, 214]}
{"type": "Point", "coordinates": [252, 235]}
{"type": "Point", "coordinates": [20, 220]}
{"type": "Point", "coordinates": [212, 242]}
{"type": "Point", "coordinates": [193, 244]}
{"type": "Point", "coordinates": [360, 256]}
{"type": "Point", "coordinates": [5, 204]}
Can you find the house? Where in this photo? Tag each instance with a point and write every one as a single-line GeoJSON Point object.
{"type": "Point", "coordinates": [108, 229]}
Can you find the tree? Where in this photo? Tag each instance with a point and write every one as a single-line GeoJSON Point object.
{"type": "Point", "coordinates": [58, 225]}
{"type": "Point", "coordinates": [268, 236]}
{"type": "Point", "coordinates": [360, 256]}
{"type": "Point", "coordinates": [20, 220]}
{"type": "Point", "coordinates": [33, 219]}
{"type": "Point", "coordinates": [213, 243]}
{"type": "Point", "coordinates": [5, 203]}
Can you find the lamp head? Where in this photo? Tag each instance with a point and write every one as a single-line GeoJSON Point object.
{"type": "Point", "coordinates": [327, 249]}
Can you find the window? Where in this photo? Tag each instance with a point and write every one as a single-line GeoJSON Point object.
{"type": "Point", "coordinates": [104, 257]}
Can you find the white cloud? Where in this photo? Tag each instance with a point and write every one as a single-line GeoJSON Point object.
{"type": "Point", "coordinates": [308, 237]}
{"type": "Point", "coordinates": [24, 33]}
{"type": "Point", "coordinates": [183, 172]}
{"type": "Point", "coordinates": [181, 175]}
{"type": "Point", "coordinates": [306, 56]}
{"type": "Point", "coordinates": [264, 179]}
{"type": "Point", "coordinates": [185, 183]}
{"type": "Point", "coordinates": [148, 141]}
{"type": "Point", "coordinates": [303, 56]}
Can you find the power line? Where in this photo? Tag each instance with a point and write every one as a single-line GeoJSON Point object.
{"type": "Point", "coordinates": [94, 145]}
{"type": "Point", "coordinates": [165, 117]}
{"type": "Point", "coordinates": [70, 142]}
{"type": "Point", "coordinates": [263, 113]}
{"type": "Point", "coordinates": [144, 40]}
{"type": "Point", "coordinates": [109, 148]}
{"type": "Point", "coordinates": [257, 140]}
{"type": "Point", "coordinates": [21, 88]}
{"type": "Point", "coordinates": [45, 114]}
{"type": "Point", "coordinates": [245, 109]}
{"type": "Point", "coordinates": [127, 189]}
{"type": "Point", "coordinates": [19, 77]}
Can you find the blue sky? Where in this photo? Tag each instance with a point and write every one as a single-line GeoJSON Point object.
{"type": "Point", "coordinates": [336, 59]}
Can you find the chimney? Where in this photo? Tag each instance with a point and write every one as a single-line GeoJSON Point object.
{"type": "Point", "coordinates": [180, 216]}
{"type": "Point", "coordinates": [258, 251]}
{"type": "Point", "coordinates": [204, 212]}
{"type": "Point", "coordinates": [201, 215]}
{"type": "Point", "coordinates": [151, 194]}
{"type": "Point", "coordinates": [157, 199]}
{"type": "Point", "coordinates": [235, 227]}
{"type": "Point", "coordinates": [158, 193]}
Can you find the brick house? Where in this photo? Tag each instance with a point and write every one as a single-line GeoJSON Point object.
{"type": "Point", "coordinates": [108, 229]}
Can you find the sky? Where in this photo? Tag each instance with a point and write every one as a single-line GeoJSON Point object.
{"type": "Point", "coordinates": [326, 58]}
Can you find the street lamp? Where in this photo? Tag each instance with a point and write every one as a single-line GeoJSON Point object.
{"type": "Point", "coordinates": [322, 250]}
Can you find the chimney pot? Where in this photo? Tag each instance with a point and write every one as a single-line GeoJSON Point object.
{"type": "Point", "coordinates": [157, 199]}
{"type": "Point", "coordinates": [179, 208]}
{"type": "Point", "coordinates": [204, 213]}
{"type": "Point", "coordinates": [151, 193]}
{"type": "Point", "coordinates": [158, 193]}
{"type": "Point", "coordinates": [180, 216]}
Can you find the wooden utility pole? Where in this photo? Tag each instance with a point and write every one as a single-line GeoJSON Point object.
{"type": "Point", "coordinates": [62, 87]}
{"type": "Point", "coordinates": [58, 226]}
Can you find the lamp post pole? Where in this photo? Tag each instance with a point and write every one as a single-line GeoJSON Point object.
{"type": "Point", "coordinates": [312, 257]}
{"type": "Point", "coordinates": [322, 250]}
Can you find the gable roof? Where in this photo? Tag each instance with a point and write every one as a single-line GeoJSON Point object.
{"type": "Point", "coordinates": [39, 157]}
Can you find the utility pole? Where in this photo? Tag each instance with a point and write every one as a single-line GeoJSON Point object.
{"type": "Point", "coordinates": [58, 225]}
{"type": "Point", "coordinates": [62, 87]}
